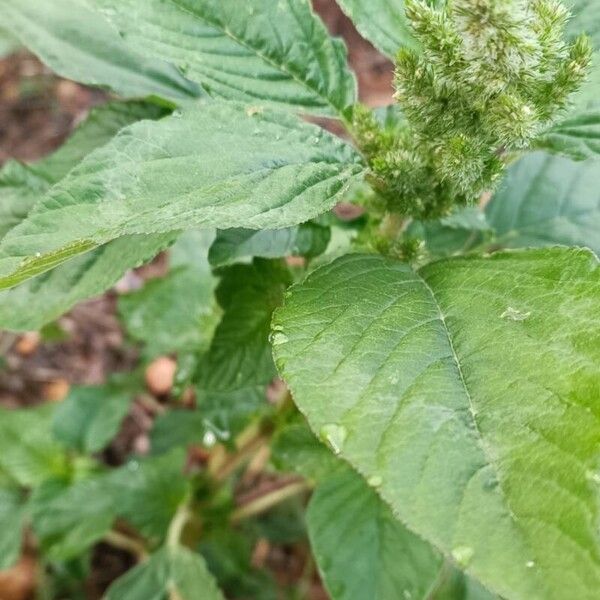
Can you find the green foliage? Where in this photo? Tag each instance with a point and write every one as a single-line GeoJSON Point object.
{"type": "Point", "coordinates": [452, 389]}
{"type": "Point", "coordinates": [411, 382]}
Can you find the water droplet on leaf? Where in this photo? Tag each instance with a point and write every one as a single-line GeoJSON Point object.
{"type": "Point", "coordinates": [335, 436]}
{"type": "Point", "coordinates": [375, 481]}
{"type": "Point", "coordinates": [462, 555]}
{"type": "Point", "coordinates": [513, 314]}
{"type": "Point", "coordinates": [277, 338]}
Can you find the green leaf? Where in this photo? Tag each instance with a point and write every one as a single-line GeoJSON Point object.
{"type": "Point", "coordinates": [28, 452]}
{"type": "Point", "coordinates": [170, 573]}
{"type": "Point", "coordinates": [231, 378]}
{"type": "Point", "coordinates": [100, 126]}
{"type": "Point", "coordinates": [241, 245]}
{"type": "Point", "coordinates": [44, 298]}
{"type": "Point", "coordinates": [20, 189]}
{"type": "Point", "coordinates": [148, 492]}
{"type": "Point", "coordinates": [362, 551]}
{"type": "Point", "coordinates": [76, 42]}
{"type": "Point", "coordinates": [382, 22]}
{"type": "Point", "coordinates": [90, 417]}
{"type": "Point", "coordinates": [257, 51]}
{"type": "Point", "coordinates": [12, 521]}
{"type": "Point", "coordinates": [176, 312]}
{"type": "Point", "coordinates": [35, 303]}
{"type": "Point", "coordinates": [70, 518]}
{"type": "Point", "coordinates": [546, 200]}
{"type": "Point", "coordinates": [468, 389]}
{"type": "Point", "coordinates": [255, 170]}
{"type": "Point", "coordinates": [577, 136]}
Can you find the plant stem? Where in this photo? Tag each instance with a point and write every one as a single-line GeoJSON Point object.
{"type": "Point", "coordinates": [264, 503]}
{"type": "Point", "coordinates": [178, 523]}
{"type": "Point", "coordinates": [123, 542]}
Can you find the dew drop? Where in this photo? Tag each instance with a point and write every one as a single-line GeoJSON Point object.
{"type": "Point", "coordinates": [335, 436]}
{"type": "Point", "coordinates": [462, 555]}
{"type": "Point", "coordinates": [253, 110]}
{"type": "Point", "coordinates": [375, 481]}
{"type": "Point", "coordinates": [209, 439]}
{"type": "Point", "coordinates": [530, 564]}
{"type": "Point", "coordinates": [277, 338]}
{"type": "Point", "coordinates": [593, 476]}
{"type": "Point", "coordinates": [394, 379]}
{"type": "Point", "coordinates": [177, 113]}
{"type": "Point", "coordinates": [38, 254]}
{"type": "Point", "coordinates": [407, 594]}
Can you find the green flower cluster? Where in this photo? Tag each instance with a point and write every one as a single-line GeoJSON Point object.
{"type": "Point", "coordinates": [489, 77]}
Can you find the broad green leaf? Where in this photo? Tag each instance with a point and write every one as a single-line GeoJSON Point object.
{"type": "Point", "coordinates": [362, 551]}
{"type": "Point", "coordinates": [468, 390]}
{"type": "Point", "coordinates": [99, 127]}
{"type": "Point", "coordinates": [546, 200]}
{"type": "Point", "coordinates": [12, 521]}
{"type": "Point", "coordinates": [274, 51]}
{"type": "Point", "coordinates": [241, 245]}
{"type": "Point", "coordinates": [70, 518]}
{"type": "Point", "coordinates": [28, 452]}
{"type": "Point", "coordinates": [20, 189]}
{"type": "Point", "coordinates": [577, 136]}
{"type": "Point", "coordinates": [232, 377]}
{"type": "Point", "coordinates": [176, 312]}
{"type": "Point", "coordinates": [256, 170]}
{"type": "Point", "coordinates": [171, 573]}
{"type": "Point", "coordinates": [44, 298]}
{"type": "Point", "coordinates": [148, 492]}
{"type": "Point", "coordinates": [382, 22]}
{"type": "Point", "coordinates": [90, 417]}
{"type": "Point", "coordinates": [78, 43]}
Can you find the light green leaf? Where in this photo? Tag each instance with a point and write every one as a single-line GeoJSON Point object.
{"type": "Point", "coordinates": [256, 51]}
{"type": "Point", "coordinates": [69, 519]}
{"type": "Point", "coordinates": [170, 573]}
{"type": "Point", "coordinates": [546, 200]}
{"type": "Point", "coordinates": [35, 303]}
{"type": "Point", "coordinates": [158, 485]}
{"type": "Point", "coordinates": [99, 127]}
{"type": "Point", "coordinates": [12, 521]}
{"type": "Point", "coordinates": [90, 417]}
{"type": "Point", "coordinates": [176, 312]}
{"type": "Point", "coordinates": [241, 245]}
{"type": "Point", "coordinates": [255, 170]}
{"type": "Point", "coordinates": [28, 452]}
{"type": "Point", "coordinates": [382, 22]}
{"type": "Point", "coordinates": [78, 43]}
{"type": "Point", "coordinates": [362, 551]}
{"type": "Point", "coordinates": [44, 298]}
{"type": "Point", "coordinates": [577, 136]}
{"type": "Point", "coordinates": [468, 389]}
{"type": "Point", "coordinates": [20, 189]}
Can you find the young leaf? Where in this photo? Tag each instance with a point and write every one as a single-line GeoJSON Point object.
{"type": "Point", "coordinates": [382, 22]}
{"type": "Point", "coordinates": [252, 169]}
{"type": "Point", "coordinates": [547, 200]}
{"type": "Point", "coordinates": [232, 376]}
{"type": "Point", "coordinates": [256, 51]}
{"type": "Point", "coordinates": [468, 390]}
{"type": "Point", "coordinates": [90, 417]}
{"type": "Point", "coordinates": [70, 518]}
{"type": "Point", "coordinates": [176, 312]}
{"type": "Point", "coordinates": [28, 452]}
{"type": "Point", "coordinates": [349, 524]}
{"type": "Point", "coordinates": [241, 245]}
{"type": "Point", "coordinates": [76, 41]}
{"type": "Point", "coordinates": [171, 573]}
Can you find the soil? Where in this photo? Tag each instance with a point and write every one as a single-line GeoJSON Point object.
{"type": "Point", "coordinates": [38, 111]}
